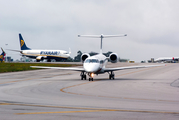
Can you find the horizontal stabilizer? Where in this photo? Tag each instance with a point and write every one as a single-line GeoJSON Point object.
{"type": "Point", "coordinates": [102, 36]}
{"type": "Point", "coordinates": [14, 50]}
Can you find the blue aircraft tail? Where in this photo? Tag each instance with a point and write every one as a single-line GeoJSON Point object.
{"type": "Point", "coordinates": [22, 43]}
{"type": "Point", "coordinates": [2, 55]}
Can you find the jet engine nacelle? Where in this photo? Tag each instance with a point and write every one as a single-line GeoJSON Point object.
{"type": "Point", "coordinates": [84, 56]}
{"type": "Point", "coordinates": [38, 58]}
{"type": "Point", "coordinates": [113, 57]}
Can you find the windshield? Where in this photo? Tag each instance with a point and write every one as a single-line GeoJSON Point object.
{"type": "Point", "coordinates": [92, 61]}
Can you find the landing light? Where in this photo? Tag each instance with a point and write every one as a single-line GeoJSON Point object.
{"type": "Point", "coordinates": [92, 75]}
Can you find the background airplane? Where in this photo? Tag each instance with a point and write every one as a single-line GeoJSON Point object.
{"type": "Point", "coordinates": [40, 55]}
{"type": "Point", "coordinates": [96, 64]}
{"type": "Point", "coordinates": [3, 54]}
{"type": "Point", "coordinates": [167, 59]}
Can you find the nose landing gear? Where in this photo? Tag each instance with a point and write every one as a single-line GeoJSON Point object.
{"type": "Point", "coordinates": [83, 76]}
{"type": "Point", "coordinates": [91, 75]}
{"type": "Point", "coordinates": [90, 79]}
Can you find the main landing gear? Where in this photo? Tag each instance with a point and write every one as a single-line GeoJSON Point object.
{"type": "Point", "coordinates": [83, 76]}
{"type": "Point", "coordinates": [111, 75]}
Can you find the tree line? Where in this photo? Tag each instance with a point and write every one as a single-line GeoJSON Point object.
{"type": "Point", "coordinates": [77, 58]}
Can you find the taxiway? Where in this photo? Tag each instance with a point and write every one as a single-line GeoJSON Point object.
{"type": "Point", "coordinates": [147, 93]}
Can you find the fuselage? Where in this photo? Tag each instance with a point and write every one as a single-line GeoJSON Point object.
{"type": "Point", "coordinates": [167, 59]}
{"type": "Point", "coordinates": [95, 64]}
{"type": "Point", "coordinates": [46, 54]}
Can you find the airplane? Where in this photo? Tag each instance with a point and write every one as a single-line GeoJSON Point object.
{"type": "Point", "coordinates": [40, 55]}
{"type": "Point", "coordinates": [167, 59]}
{"type": "Point", "coordinates": [2, 55]}
{"type": "Point", "coordinates": [96, 64]}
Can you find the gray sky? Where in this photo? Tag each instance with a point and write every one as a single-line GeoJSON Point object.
{"type": "Point", "coordinates": [151, 25]}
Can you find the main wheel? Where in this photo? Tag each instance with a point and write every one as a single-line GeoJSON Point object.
{"type": "Point", "coordinates": [110, 76]}
{"type": "Point", "coordinates": [85, 77]}
{"type": "Point", "coordinates": [113, 76]}
{"type": "Point", "coordinates": [49, 60]}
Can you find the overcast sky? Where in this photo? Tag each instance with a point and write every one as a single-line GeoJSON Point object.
{"type": "Point", "coordinates": [151, 25]}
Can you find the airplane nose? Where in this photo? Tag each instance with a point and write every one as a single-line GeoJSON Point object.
{"type": "Point", "coordinates": [91, 67]}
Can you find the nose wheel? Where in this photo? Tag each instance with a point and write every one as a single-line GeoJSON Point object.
{"type": "Point", "coordinates": [90, 79]}
{"type": "Point", "coordinates": [111, 75]}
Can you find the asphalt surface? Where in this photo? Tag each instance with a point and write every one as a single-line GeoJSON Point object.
{"type": "Point", "coordinates": [135, 94]}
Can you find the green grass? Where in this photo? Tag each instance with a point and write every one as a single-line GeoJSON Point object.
{"type": "Point", "coordinates": [13, 67]}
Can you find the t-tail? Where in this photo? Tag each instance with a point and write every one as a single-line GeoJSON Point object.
{"type": "Point", "coordinates": [22, 43]}
{"type": "Point", "coordinates": [102, 36]}
{"type": "Point", "coordinates": [2, 55]}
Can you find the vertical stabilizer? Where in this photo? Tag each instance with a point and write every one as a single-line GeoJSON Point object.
{"type": "Point", "coordinates": [2, 55]}
{"type": "Point", "coordinates": [22, 43]}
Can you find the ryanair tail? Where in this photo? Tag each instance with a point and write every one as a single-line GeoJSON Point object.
{"type": "Point", "coordinates": [2, 55]}
{"type": "Point", "coordinates": [22, 43]}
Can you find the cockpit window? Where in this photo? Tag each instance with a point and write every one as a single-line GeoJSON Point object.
{"type": "Point", "coordinates": [101, 62]}
{"type": "Point", "coordinates": [92, 61]}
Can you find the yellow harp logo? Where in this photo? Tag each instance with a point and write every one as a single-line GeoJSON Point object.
{"type": "Point", "coordinates": [1, 56]}
{"type": "Point", "coordinates": [22, 43]}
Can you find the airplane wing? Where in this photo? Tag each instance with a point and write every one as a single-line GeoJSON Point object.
{"type": "Point", "coordinates": [129, 67]}
{"type": "Point", "coordinates": [61, 68]}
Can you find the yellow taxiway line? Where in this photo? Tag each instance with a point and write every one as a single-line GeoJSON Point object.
{"type": "Point", "coordinates": [64, 112]}
{"type": "Point", "coordinates": [105, 110]}
{"type": "Point", "coordinates": [82, 109]}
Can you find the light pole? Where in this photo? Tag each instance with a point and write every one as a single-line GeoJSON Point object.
{"type": "Point", "coordinates": [6, 53]}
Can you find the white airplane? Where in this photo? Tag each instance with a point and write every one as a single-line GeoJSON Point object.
{"type": "Point", "coordinates": [40, 55]}
{"type": "Point", "coordinates": [96, 64]}
{"type": "Point", "coordinates": [167, 59]}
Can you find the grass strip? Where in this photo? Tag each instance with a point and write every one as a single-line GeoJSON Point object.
{"type": "Point", "coordinates": [13, 67]}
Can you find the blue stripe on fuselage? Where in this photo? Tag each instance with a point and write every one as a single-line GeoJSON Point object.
{"type": "Point", "coordinates": [49, 53]}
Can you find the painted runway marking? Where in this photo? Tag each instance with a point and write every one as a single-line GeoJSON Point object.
{"type": "Point", "coordinates": [106, 110]}
{"type": "Point", "coordinates": [82, 109]}
{"type": "Point", "coordinates": [64, 112]}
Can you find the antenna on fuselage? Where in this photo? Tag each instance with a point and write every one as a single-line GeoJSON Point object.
{"type": "Point", "coordinates": [102, 36]}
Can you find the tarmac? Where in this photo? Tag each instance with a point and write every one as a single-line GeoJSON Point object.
{"type": "Point", "coordinates": [135, 94]}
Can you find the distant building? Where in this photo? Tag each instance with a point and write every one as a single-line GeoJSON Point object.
{"type": "Point", "coordinates": [8, 59]}
{"type": "Point", "coordinates": [123, 60]}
